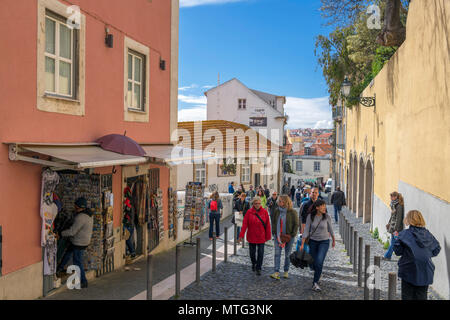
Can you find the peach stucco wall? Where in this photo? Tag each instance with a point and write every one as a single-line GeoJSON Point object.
{"type": "Point", "coordinates": [148, 22]}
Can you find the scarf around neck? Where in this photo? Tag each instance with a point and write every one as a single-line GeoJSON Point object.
{"type": "Point", "coordinates": [281, 225]}
{"type": "Point", "coordinates": [394, 204]}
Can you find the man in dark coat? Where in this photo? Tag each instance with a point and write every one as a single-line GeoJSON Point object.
{"type": "Point", "coordinates": [272, 203]}
{"type": "Point", "coordinates": [338, 200]}
{"type": "Point", "coordinates": [306, 208]}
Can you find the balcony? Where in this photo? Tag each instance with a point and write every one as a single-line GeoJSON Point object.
{"type": "Point", "coordinates": [337, 113]}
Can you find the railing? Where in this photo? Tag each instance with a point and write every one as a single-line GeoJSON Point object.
{"type": "Point", "coordinates": [340, 146]}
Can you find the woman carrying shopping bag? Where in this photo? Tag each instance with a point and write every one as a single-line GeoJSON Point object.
{"type": "Point", "coordinates": [285, 227]}
{"type": "Point", "coordinates": [318, 230]}
{"type": "Point", "coordinates": [257, 225]}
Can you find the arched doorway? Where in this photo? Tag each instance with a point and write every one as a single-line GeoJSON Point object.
{"type": "Point", "coordinates": [355, 183]}
{"type": "Point", "coordinates": [368, 194]}
{"type": "Point", "coordinates": [360, 209]}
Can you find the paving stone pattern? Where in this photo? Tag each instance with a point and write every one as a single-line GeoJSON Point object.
{"type": "Point", "coordinates": [235, 279]}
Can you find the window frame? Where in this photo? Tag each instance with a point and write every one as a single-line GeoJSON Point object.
{"type": "Point", "coordinates": [197, 170]}
{"type": "Point", "coordinates": [74, 61]}
{"type": "Point", "coordinates": [246, 166]}
{"type": "Point", "coordinates": [242, 104]}
{"type": "Point", "coordinates": [301, 165]}
{"type": "Point", "coordinates": [135, 54]}
{"type": "Point", "coordinates": [318, 163]}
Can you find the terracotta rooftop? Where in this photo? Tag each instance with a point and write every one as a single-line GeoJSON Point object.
{"type": "Point", "coordinates": [214, 127]}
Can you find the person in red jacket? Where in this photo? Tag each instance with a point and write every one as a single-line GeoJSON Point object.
{"type": "Point", "coordinates": [257, 224]}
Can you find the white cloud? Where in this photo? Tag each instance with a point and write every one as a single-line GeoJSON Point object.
{"type": "Point", "coordinates": [192, 86]}
{"type": "Point", "coordinates": [308, 113]}
{"type": "Point", "coordinates": [193, 99]}
{"type": "Point", "coordinates": [193, 3]}
{"type": "Point", "coordinates": [207, 87]}
{"type": "Point", "coordinates": [192, 114]}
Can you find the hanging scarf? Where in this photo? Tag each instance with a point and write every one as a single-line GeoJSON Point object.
{"type": "Point", "coordinates": [394, 204]}
{"type": "Point", "coordinates": [281, 225]}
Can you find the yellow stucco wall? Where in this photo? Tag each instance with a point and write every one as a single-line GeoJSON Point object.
{"type": "Point", "coordinates": [410, 126]}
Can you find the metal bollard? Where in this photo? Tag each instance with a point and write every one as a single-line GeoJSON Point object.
{"type": "Point", "coordinates": [197, 264]}
{"type": "Point", "coordinates": [149, 277]}
{"type": "Point", "coordinates": [355, 252]}
{"type": "Point", "coordinates": [376, 290]}
{"type": "Point", "coordinates": [350, 251]}
{"type": "Point", "coordinates": [392, 289]}
{"type": "Point", "coordinates": [243, 242]}
{"type": "Point", "coordinates": [235, 240]}
{"type": "Point", "coordinates": [226, 244]}
{"type": "Point", "coordinates": [360, 257]}
{"type": "Point", "coordinates": [177, 271]}
{"type": "Point", "coordinates": [345, 235]}
{"type": "Point", "coordinates": [340, 223]}
{"type": "Point", "coordinates": [214, 253]}
{"type": "Point", "coordinates": [366, 274]}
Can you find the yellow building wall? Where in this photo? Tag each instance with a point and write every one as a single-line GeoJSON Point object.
{"type": "Point", "coordinates": [410, 125]}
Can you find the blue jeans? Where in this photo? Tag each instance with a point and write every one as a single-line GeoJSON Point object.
{"type": "Point", "coordinates": [214, 217]}
{"type": "Point", "coordinates": [318, 250]}
{"type": "Point", "coordinates": [337, 209]}
{"type": "Point", "coordinates": [130, 241]}
{"type": "Point", "coordinates": [389, 252]}
{"type": "Point", "coordinates": [77, 255]}
{"type": "Point", "coordinates": [287, 252]}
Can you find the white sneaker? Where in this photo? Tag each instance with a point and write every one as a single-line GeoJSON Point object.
{"type": "Point", "coordinates": [316, 287]}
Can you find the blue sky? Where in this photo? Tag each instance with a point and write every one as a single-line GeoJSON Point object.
{"type": "Point", "coordinates": [267, 44]}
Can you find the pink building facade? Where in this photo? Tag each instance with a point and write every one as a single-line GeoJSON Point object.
{"type": "Point", "coordinates": [64, 88]}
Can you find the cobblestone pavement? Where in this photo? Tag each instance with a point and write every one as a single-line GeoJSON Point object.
{"type": "Point", "coordinates": [235, 280]}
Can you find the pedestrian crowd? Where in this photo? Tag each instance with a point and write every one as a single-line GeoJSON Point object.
{"type": "Point", "coordinates": [272, 217]}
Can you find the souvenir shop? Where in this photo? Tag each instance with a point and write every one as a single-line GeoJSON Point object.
{"type": "Point", "coordinates": [60, 189]}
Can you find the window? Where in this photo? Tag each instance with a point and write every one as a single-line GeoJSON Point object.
{"type": "Point", "coordinates": [136, 81]}
{"type": "Point", "coordinates": [299, 166]}
{"type": "Point", "coordinates": [226, 168]}
{"type": "Point", "coordinates": [246, 171]}
{"type": "Point", "coordinates": [316, 166]}
{"type": "Point", "coordinates": [61, 60]}
{"type": "Point", "coordinates": [60, 57]}
{"type": "Point", "coordinates": [136, 62]}
{"type": "Point", "coordinates": [242, 103]}
{"type": "Point", "coordinates": [307, 151]}
{"type": "Point", "coordinates": [200, 173]}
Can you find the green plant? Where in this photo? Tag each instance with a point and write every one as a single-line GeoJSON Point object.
{"type": "Point", "coordinates": [386, 245]}
{"type": "Point", "coordinates": [376, 235]}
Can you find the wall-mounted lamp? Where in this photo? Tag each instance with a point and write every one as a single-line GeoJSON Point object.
{"type": "Point", "coordinates": [365, 101]}
{"type": "Point", "coordinates": [162, 64]}
{"type": "Point", "coordinates": [114, 170]}
{"type": "Point", "coordinates": [109, 39]}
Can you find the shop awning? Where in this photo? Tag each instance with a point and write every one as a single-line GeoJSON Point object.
{"type": "Point", "coordinates": [70, 156]}
{"type": "Point", "coordinates": [175, 155]}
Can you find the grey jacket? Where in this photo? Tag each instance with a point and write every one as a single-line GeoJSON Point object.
{"type": "Point", "coordinates": [80, 232]}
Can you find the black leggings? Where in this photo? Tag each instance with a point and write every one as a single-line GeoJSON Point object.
{"type": "Point", "coordinates": [257, 261]}
{"type": "Point", "coordinates": [412, 292]}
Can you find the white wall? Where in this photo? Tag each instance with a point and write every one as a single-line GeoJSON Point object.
{"type": "Point", "coordinates": [436, 214]}
{"type": "Point", "coordinates": [308, 168]}
{"type": "Point", "coordinates": [223, 105]}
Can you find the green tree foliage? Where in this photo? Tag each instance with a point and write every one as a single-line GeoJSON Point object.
{"type": "Point", "coordinates": [351, 49]}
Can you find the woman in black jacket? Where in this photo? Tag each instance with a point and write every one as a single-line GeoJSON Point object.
{"type": "Point", "coordinates": [395, 224]}
{"type": "Point", "coordinates": [240, 205]}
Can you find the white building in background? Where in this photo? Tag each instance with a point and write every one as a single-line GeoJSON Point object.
{"type": "Point", "coordinates": [263, 112]}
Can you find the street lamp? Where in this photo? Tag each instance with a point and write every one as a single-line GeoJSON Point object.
{"type": "Point", "coordinates": [365, 101]}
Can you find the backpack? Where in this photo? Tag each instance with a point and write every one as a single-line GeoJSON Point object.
{"type": "Point", "coordinates": [213, 205]}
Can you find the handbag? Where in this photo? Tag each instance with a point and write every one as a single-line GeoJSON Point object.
{"type": "Point", "coordinates": [285, 238]}
{"type": "Point", "coordinates": [126, 234]}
